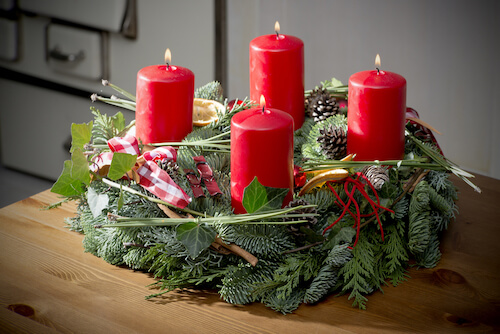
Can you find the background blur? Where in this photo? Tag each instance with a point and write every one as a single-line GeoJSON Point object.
{"type": "Point", "coordinates": [54, 53]}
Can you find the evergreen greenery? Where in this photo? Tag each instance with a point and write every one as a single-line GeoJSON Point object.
{"type": "Point", "coordinates": [289, 271]}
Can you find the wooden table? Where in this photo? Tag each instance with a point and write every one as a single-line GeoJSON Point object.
{"type": "Point", "coordinates": [48, 284]}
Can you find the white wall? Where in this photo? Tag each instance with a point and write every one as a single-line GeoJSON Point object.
{"type": "Point", "coordinates": [447, 50]}
{"type": "Point", "coordinates": [36, 121]}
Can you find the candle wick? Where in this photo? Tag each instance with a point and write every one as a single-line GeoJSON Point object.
{"type": "Point", "coordinates": [168, 66]}
{"type": "Point", "coordinates": [378, 70]}
{"type": "Point", "coordinates": [277, 34]}
{"type": "Point", "coordinates": [263, 109]}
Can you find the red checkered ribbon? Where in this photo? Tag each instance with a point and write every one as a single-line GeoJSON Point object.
{"type": "Point", "coordinates": [157, 181]}
{"type": "Point", "coordinates": [207, 175]}
{"type": "Point", "coordinates": [101, 160]}
{"type": "Point", "coordinates": [127, 144]}
{"type": "Point", "coordinates": [153, 178]}
{"type": "Point", "coordinates": [161, 153]}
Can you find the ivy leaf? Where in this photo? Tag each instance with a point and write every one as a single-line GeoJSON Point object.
{"type": "Point", "coordinates": [121, 199]}
{"type": "Point", "coordinates": [80, 135]}
{"type": "Point", "coordinates": [74, 175]}
{"type": "Point", "coordinates": [80, 167]}
{"type": "Point", "coordinates": [120, 164]}
{"type": "Point", "coordinates": [257, 197]}
{"type": "Point", "coordinates": [195, 237]}
{"type": "Point", "coordinates": [97, 202]}
{"type": "Point", "coordinates": [336, 82]}
{"type": "Point", "coordinates": [65, 184]}
{"type": "Point", "coordinates": [118, 121]}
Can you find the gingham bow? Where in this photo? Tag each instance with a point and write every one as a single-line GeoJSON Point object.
{"type": "Point", "coordinates": [153, 178]}
{"type": "Point", "coordinates": [157, 181]}
{"type": "Point", "coordinates": [127, 144]}
{"type": "Point", "coordinates": [161, 153]}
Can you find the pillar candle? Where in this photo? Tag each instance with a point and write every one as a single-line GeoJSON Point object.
{"type": "Point", "coordinates": [262, 147]}
{"type": "Point", "coordinates": [376, 115]}
{"type": "Point", "coordinates": [277, 72]}
{"type": "Point", "coordinates": [164, 106]}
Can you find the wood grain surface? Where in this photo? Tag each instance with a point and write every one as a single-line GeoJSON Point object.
{"type": "Point", "coordinates": [49, 285]}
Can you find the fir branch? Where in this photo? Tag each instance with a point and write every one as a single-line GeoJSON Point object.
{"type": "Point", "coordinates": [274, 301]}
{"type": "Point", "coordinates": [419, 229]}
{"type": "Point", "coordinates": [264, 241]}
{"type": "Point", "coordinates": [321, 285]}
{"type": "Point", "coordinates": [431, 256]}
{"type": "Point", "coordinates": [239, 283]}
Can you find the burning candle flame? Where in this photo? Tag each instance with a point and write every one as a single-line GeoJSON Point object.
{"type": "Point", "coordinates": [277, 28]}
{"type": "Point", "coordinates": [262, 102]}
{"type": "Point", "coordinates": [168, 56]}
{"type": "Point", "coordinates": [377, 61]}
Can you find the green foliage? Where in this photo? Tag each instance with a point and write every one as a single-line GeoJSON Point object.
{"type": "Point", "coordinates": [430, 257]}
{"type": "Point", "coordinates": [323, 198]}
{"type": "Point", "coordinates": [395, 254]}
{"type": "Point", "coordinates": [300, 137]}
{"type": "Point", "coordinates": [285, 276]}
{"type": "Point", "coordinates": [210, 91]}
{"type": "Point", "coordinates": [358, 272]}
{"type": "Point", "coordinates": [321, 284]}
{"type": "Point", "coordinates": [74, 177]}
{"type": "Point", "coordinates": [80, 135]}
{"type": "Point", "coordinates": [195, 237]}
{"type": "Point", "coordinates": [311, 149]}
{"type": "Point", "coordinates": [332, 83]}
{"type": "Point", "coordinates": [419, 232]}
{"type": "Point", "coordinates": [120, 164]}
{"type": "Point", "coordinates": [263, 241]}
{"type": "Point", "coordinates": [106, 127]}
{"type": "Point", "coordinates": [429, 213]}
{"type": "Point", "coordinates": [257, 197]}
{"type": "Point", "coordinates": [285, 306]}
{"type": "Point", "coordinates": [239, 283]}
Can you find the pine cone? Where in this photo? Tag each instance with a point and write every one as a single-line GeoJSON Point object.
{"type": "Point", "coordinates": [295, 229]}
{"type": "Point", "coordinates": [321, 105]}
{"type": "Point", "coordinates": [170, 166]}
{"type": "Point", "coordinates": [377, 175]}
{"type": "Point", "coordinates": [333, 142]}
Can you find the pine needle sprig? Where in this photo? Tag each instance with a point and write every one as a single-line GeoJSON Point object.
{"type": "Point", "coordinates": [272, 217]}
{"type": "Point", "coordinates": [119, 90]}
{"type": "Point", "coordinates": [114, 101]}
{"type": "Point", "coordinates": [216, 142]}
{"type": "Point", "coordinates": [442, 161]}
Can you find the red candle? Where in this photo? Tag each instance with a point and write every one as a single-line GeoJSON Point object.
{"type": "Point", "coordinates": [277, 72]}
{"type": "Point", "coordinates": [376, 115]}
{"type": "Point", "coordinates": [262, 147]}
{"type": "Point", "coordinates": [164, 109]}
